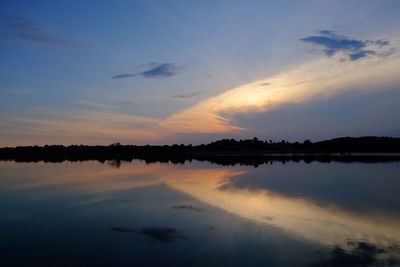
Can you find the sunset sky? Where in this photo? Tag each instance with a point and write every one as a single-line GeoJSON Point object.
{"type": "Point", "coordinates": [162, 72]}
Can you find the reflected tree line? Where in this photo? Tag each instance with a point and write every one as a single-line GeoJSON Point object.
{"type": "Point", "coordinates": [225, 152]}
{"type": "Point", "coordinates": [360, 254]}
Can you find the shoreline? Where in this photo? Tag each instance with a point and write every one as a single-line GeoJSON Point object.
{"type": "Point", "coordinates": [218, 157]}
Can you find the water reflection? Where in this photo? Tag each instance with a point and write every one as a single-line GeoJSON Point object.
{"type": "Point", "coordinates": [328, 225]}
{"type": "Point", "coordinates": [156, 234]}
{"type": "Point", "coordinates": [354, 236]}
{"type": "Point", "coordinates": [359, 254]}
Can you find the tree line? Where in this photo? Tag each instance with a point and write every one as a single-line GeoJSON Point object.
{"type": "Point", "coordinates": [226, 151]}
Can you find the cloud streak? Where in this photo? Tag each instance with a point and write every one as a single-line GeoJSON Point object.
{"type": "Point", "coordinates": [92, 104]}
{"type": "Point", "coordinates": [163, 70]}
{"type": "Point", "coordinates": [318, 79]}
{"type": "Point", "coordinates": [16, 91]}
{"type": "Point", "coordinates": [353, 48]}
{"type": "Point", "coordinates": [188, 95]}
{"type": "Point", "coordinates": [20, 29]}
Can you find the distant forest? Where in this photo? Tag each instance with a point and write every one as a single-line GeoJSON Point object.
{"type": "Point", "coordinates": [225, 151]}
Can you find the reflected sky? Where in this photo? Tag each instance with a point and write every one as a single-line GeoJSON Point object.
{"type": "Point", "coordinates": [259, 211]}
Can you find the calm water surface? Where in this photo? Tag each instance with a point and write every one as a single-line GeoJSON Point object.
{"type": "Point", "coordinates": [199, 214]}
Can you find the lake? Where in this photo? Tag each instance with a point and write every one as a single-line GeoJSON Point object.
{"type": "Point", "coordinates": [283, 213]}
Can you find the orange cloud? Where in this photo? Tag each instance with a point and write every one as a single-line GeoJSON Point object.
{"type": "Point", "coordinates": [320, 78]}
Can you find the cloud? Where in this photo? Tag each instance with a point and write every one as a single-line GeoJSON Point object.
{"type": "Point", "coordinates": [163, 70]}
{"type": "Point", "coordinates": [16, 91]}
{"type": "Point", "coordinates": [20, 29]}
{"type": "Point", "coordinates": [361, 54]}
{"type": "Point", "coordinates": [382, 42]}
{"type": "Point", "coordinates": [318, 79]}
{"type": "Point", "coordinates": [315, 80]}
{"type": "Point", "coordinates": [265, 84]}
{"type": "Point", "coordinates": [92, 104]}
{"type": "Point", "coordinates": [354, 49]}
{"type": "Point", "coordinates": [78, 126]}
{"type": "Point", "coordinates": [124, 76]}
{"type": "Point", "coordinates": [188, 95]}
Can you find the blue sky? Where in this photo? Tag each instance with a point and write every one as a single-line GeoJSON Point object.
{"type": "Point", "coordinates": [192, 71]}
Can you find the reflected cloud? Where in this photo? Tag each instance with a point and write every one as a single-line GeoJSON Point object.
{"type": "Point", "coordinates": [162, 234]}
{"type": "Point", "coordinates": [155, 234]}
{"type": "Point", "coordinates": [15, 217]}
{"type": "Point", "coordinates": [123, 230]}
{"type": "Point", "coordinates": [360, 254]}
{"type": "Point", "coordinates": [188, 207]}
{"type": "Point", "coordinates": [327, 225]}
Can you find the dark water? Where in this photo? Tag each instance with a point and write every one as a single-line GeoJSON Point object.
{"type": "Point", "coordinates": [199, 214]}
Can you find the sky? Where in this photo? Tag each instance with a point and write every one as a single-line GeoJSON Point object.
{"type": "Point", "coordinates": [163, 72]}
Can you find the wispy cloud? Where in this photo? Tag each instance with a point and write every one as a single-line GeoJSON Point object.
{"type": "Point", "coordinates": [92, 104]}
{"type": "Point", "coordinates": [16, 91]}
{"type": "Point", "coordinates": [317, 79]}
{"type": "Point", "coordinates": [20, 29]}
{"type": "Point", "coordinates": [353, 48]}
{"type": "Point", "coordinates": [312, 80]}
{"type": "Point", "coordinates": [163, 70]}
{"type": "Point", "coordinates": [265, 84]}
{"type": "Point", "coordinates": [80, 126]}
{"type": "Point", "coordinates": [188, 95]}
